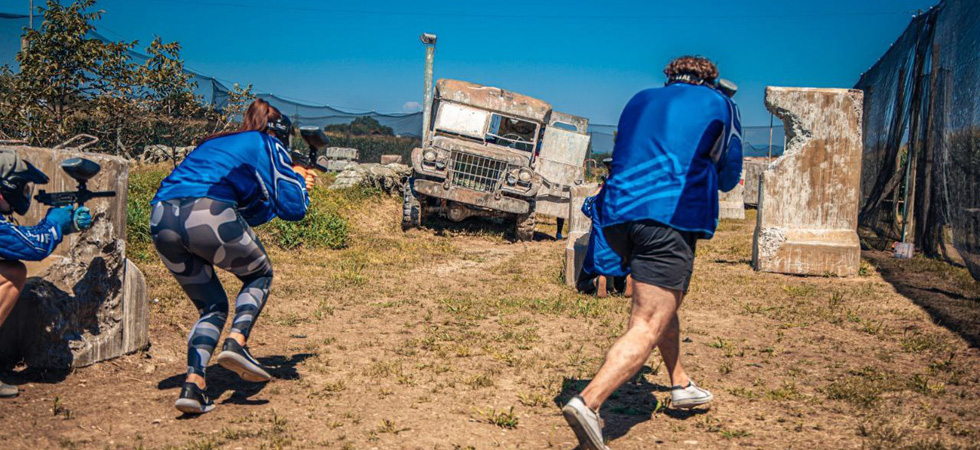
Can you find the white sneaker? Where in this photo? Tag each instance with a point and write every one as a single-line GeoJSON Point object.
{"type": "Point", "coordinates": [585, 423]}
{"type": "Point", "coordinates": [690, 396]}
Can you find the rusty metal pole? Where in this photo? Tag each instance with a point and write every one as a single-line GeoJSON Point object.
{"type": "Point", "coordinates": [430, 52]}
{"type": "Point", "coordinates": [30, 16]}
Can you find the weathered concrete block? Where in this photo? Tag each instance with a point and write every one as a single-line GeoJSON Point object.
{"type": "Point", "coordinates": [731, 204]}
{"type": "Point", "coordinates": [577, 243]}
{"type": "Point", "coordinates": [86, 303]}
{"type": "Point", "coordinates": [391, 159]}
{"type": "Point", "coordinates": [341, 153]}
{"type": "Point", "coordinates": [388, 178]}
{"type": "Point", "coordinates": [809, 197]}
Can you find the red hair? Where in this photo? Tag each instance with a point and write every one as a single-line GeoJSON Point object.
{"type": "Point", "coordinates": [256, 118]}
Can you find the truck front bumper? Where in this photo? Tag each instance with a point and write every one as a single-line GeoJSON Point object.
{"type": "Point", "coordinates": [486, 200]}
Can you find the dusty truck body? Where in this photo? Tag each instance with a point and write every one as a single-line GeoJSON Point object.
{"type": "Point", "coordinates": [494, 153]}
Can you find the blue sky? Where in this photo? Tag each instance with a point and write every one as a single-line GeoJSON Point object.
{"type": "Point", "coordinates": [585, 57]}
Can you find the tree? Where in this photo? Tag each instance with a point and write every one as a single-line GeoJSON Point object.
{"type": "Point", "coordinates": [362, 126]}
{"type": "Point", "coordinates": [71, 82]}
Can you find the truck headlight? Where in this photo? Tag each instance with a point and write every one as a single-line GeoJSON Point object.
{"type": "Point", "coordinates": [440, 164]}
{"type": "Point", "coordinates": [429, 156]}
{"type": "Point", "coordinates": [525, 175]}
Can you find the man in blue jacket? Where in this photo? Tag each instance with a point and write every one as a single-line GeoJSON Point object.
{"type": "Point", "coordinates": [23, 243]}
{"type": "Point", "coordinates": [675, 148]}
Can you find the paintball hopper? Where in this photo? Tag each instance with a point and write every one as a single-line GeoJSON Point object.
{"type": "Point", "coordinates": [317, 142]}
{"type": "Point", "coordinates": [314, 137]}
{"type": "Point", "coordinates": [80, 169]}
{"type": "Point", "coordinates": [726, 87]}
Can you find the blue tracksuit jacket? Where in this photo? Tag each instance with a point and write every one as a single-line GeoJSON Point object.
{"type": "Point", "coordinates": [251, 170]}
{"type": "Point", "coordinates": [19, 243]}
{"type": "Point", "coordinates": [676, 146]}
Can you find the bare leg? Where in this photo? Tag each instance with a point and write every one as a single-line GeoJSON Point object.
{"type": "Point", "coordinates": [670, 345]}
{"type": "Point", "coordinates": [653, 309]}
{"type": "Point", "coordinates": [13, 275]}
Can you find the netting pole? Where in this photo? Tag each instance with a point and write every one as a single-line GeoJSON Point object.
{"type": "Point", "coordinates": [430, 50]}
{"type": "Point", "coordinates": [30, 15]}
{"type": "Point", "coordinates": [770, 137]}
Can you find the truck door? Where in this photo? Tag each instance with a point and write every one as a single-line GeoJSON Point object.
{"type": "Point", "coordinates": [561, 161]}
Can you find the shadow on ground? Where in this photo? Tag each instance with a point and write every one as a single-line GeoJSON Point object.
{"type": "Point", "coordinates": [953, 305]}
{"type": "Point", "coordinates": [633, 403]}
{"type": "Point", "coordinates": [221, 380]}
{"type": "Point", "coordinates": [478, 226]}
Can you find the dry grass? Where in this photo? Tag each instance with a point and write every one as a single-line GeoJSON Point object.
{"type": "Point", "coordinates": [456, 338]}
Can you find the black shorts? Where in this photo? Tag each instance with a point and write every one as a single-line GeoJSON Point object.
{"type": "Point", "coordinates": [655, 253]}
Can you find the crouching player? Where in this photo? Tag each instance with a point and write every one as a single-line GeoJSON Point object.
{"type": "Point", "coordinates": [202, 218]}
{"type": "Point", "coordinates": [24, 243]}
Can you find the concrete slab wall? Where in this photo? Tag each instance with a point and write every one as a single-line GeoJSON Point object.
{"type": "Point", "coordinates": [809, 197]}
{"type": "Point", "coordinates": [731, 204]}
{"type": "Point", "coordinates": [86, 303]}
{"type": "Point", "coordinates": [577, 242]}
{"type": "Point", "coordinates": [752, 169]}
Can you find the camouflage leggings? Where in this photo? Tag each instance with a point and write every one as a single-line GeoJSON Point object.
{"type": "Point", "coordinates": [194, 235]}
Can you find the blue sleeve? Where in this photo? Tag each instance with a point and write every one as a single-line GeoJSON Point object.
{"type": "Point", "coordinates": [729, 166]}
{"type": "Point", "coordinates": [287, 188]}
{"type": "Point", "coordinates": [35, 243]}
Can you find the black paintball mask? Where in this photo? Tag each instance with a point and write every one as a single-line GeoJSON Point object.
{"type": "Point", "coordinates": [282, 129]}
{"type": "Point", "coordinates": [17, 180]}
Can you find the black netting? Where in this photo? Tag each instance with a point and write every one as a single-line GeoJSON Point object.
{"type": "Point", "coordinates": [919, 180]}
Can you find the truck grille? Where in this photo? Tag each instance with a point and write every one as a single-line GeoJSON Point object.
{"type": "Point", "coordinates": [476, 172]}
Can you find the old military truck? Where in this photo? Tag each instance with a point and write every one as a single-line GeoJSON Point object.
{"type": "Point", "coordinates": [494, 153]}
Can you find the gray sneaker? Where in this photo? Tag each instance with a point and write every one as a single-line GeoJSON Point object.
{"type": "Point", "coordinates": [585, 423]}
{"type": "Point", "coordinates": [690, 396]}
{"type": "Point", "coordinates": [7, 390]}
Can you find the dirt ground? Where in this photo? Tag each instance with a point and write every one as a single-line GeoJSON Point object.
{"type": "Point", "coordinates": [454, 338]}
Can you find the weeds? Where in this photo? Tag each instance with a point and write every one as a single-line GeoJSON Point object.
{"type": "Point", "coordinates": [503, 419]}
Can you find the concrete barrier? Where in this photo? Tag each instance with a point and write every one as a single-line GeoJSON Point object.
{"type": "Point", "coordinates": [391, 159]}
{"type": "Point", "coordinates": [809, 197]}
{"type": "Point", "coordinates": [731, 204]}
{"type": "Point", "coordinates": [86, 303]}
{"type": "Point", "coordinates": [577, 243]}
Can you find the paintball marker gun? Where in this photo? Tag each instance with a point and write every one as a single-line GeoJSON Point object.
{"type": "Point", "coordinates": [81, 170]}
{"type": "Point", "coordinates": [317, 142]}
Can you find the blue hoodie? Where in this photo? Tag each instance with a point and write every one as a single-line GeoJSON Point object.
{"type": "Point", "coordinates": [251, 170]}
{"type": "Point", "coordinates": [676, 146]}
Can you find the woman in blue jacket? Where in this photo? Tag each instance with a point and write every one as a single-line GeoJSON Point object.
{"type": "Point", "coordinates": [203, 216]}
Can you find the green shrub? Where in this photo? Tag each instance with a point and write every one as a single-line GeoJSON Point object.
{"type": "Point", "coordinates": [322, 227]}
{"type": "Point", "coordinates": [143, 185]}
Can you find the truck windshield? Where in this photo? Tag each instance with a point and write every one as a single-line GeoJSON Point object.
{"type": "Point", "coordinates": [510, 132]}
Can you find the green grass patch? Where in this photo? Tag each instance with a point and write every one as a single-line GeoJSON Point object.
{"type": "Point", "coordinates": [143, 184]}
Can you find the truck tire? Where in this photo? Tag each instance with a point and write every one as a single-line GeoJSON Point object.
{"type": "Point", "coordinates": [411, 207]}
{"type": "Point", "coordinates": [524, 225]}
